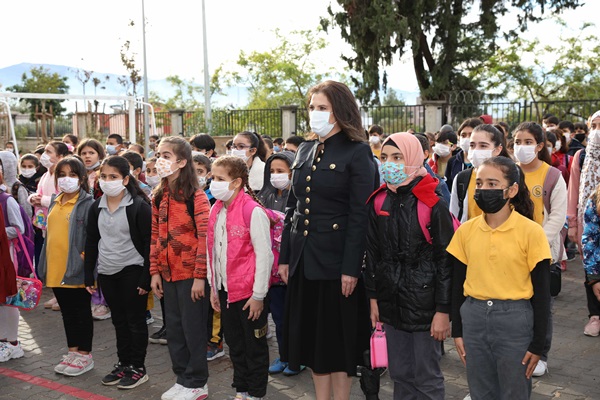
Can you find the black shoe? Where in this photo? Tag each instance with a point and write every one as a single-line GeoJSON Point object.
{"type": "Point", "coordinates": [115, 375]}
{"type": "Point", "coordinates": [159, 337]}
{"type": "Point", "coordinates": [133, 378]}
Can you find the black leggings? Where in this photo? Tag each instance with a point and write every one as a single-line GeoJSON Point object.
{"type": "Point", "coordinates": [77, 317]}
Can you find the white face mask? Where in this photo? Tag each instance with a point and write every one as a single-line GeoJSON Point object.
{"type": "Point", "coordinates": [442, 150]}
{"type": "Point", "coordinates": [197, 153]}
{"type": "Point", "coordinates": [164, 167]}
{"type": "Point", "coordinates": [374, 139]}
{"type": "Point", "coordinates": [319, 123]}
{"type": "Point", "coordinates": [594, 137]}
{"type": "Point", "coordinates": [478, 157]}
{"type": "Point", "coordinates": [525, 154]}
{"type": "Point", "coordinates": [567, 136]}
{"type": "Point", "coordinates": [202, 181]}
{"type": "Point", "coordinates": [550, 148]}
{"type": "Point", "coordinates": [465, 143]}
{"type": "Point", "coordinates": [240, 153]}
{"type": "Point", "coordinates": [46, 161]}
{"type": "Point", "coordinates": [112, 188]}
{"type": "Point", "coordinates": [280, 181]}
{"type": "Point", "coordinates": [68, 185]}
{"type": "Point", "coordinates": [220, 190]}
{"type": "Point", "coordinates": [28, 172]}
{"type": "Point", "coordinates": [153, 181]}
{"type": "Point", "coordinates": [558, 145]}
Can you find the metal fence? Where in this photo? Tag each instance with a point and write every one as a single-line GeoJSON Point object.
{"type": "Point", "coordinates": [269, 121]}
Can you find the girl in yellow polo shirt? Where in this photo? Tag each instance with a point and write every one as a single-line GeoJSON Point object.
{"type": "Point", "coordinates": [543, 180]}
{"type": "Point", "coordinates": [61, 263]}
{"type": "Point", "coordinates": [501, 295]}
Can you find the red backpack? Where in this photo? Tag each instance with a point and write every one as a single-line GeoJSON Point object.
{"type": "Point", "coordinates": [423, 212]}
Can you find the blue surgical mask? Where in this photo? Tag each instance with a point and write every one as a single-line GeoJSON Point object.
{"type": "Point", "coordinates": [392, 173]}
{"type": "Point", "coordinates": [111, 150]}
{"type": "Point", "coordinates": [276, 149]}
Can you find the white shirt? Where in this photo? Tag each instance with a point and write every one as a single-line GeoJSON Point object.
{"type": "Point", "coordinates": [260, 236]}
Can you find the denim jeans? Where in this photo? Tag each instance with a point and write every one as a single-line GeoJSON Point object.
{"type": "Point", "coordinates": [496, 335]}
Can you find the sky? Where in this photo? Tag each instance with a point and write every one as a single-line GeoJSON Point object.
{"type": "Point", "coordinates": [72, 33]}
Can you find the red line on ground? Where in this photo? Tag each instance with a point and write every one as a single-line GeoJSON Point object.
{"type": "Point", "coordinates": [57, 387]}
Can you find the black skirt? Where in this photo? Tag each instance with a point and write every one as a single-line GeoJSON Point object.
{"type": "Point", "coordinates": [323, 329]}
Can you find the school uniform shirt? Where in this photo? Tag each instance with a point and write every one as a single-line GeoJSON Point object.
{"type": "Point", "coordinates": [261, 241]}
{"type": "Point", "coordinates": [499, 261]}
{"type": "Point", "coordinates": [535, 183]}
{"type": "Point", "coordinates": [57, 241]}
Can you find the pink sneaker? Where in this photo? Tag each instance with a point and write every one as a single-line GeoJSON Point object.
{"type": "Point", "coordinates": [101, 312]}
{"type": "Point", "coordinates": [592, 328]}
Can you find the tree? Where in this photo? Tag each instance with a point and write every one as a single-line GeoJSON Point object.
{"type": "Point", "coordinates": [567, 69]}
{"type": "Point", "coordinates": [282, 75]}
{"type": "Point", "coordinates": [42, 81]}
{"type": "Point", "coordinates": [443, 38]}
{"type": "Point", "coordinates": [134, 77]}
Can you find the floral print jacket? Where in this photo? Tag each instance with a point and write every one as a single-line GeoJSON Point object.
{"type": "Point", "coordinates": [591, 240]}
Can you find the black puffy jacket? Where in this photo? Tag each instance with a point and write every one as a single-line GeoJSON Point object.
{"type": "Point", "coordinates": [410, 278]}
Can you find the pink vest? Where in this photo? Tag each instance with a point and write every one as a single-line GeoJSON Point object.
{"type": "Point", "coordinates": [241, 260]}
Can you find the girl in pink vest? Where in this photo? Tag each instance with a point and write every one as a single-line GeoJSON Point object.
{"type": "Point", "coordinates": [240, 260]}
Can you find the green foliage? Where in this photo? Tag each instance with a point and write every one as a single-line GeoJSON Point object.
{"type": "Point", "coordinates": [134, 77]}
{"type": "Point", "coordinates": [282, 75]}
{"type": "Point", "coordinates": [40, 80]}
{"type": "Point", "coordinates": [443, 39]}
{"type": "Point", "coordinates": [564, 70]}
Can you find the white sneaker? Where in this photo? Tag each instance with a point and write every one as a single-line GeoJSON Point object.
{"type": "Point", "coordinates": [101, 312]}
{"type": "Point", "coordinates": [172, 393]}
{"type": "Point", "coordinates": [241, 395]}
{"type": "Point", "coordinates": [193, 394]}
{"type": "Point", "coordinates": [66, 361]}
{"type": "Point", "coordinates": [80, 365]}
{"type": "Point", "coordinates": [541, 368]}
{"type": "Point", "coordinates": [467, 397]}
{"type": "Point", "coordinates": [9, 351]}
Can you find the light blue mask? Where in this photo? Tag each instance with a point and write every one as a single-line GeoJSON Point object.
{"type": "Point", "coordinates": [392, 173]}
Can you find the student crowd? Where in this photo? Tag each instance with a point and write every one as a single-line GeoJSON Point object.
{"type": "Point", "coordinates": [454, 234]}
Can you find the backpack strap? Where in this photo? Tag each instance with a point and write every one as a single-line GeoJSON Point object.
{"type": "Point", "coordinates": [378, 204]}
{"type": "Point", "coordinates": [581, 159]}
{"type": "Point", "coordinates": [549, 184]}
{"type": "Point", "coordinates": [424, 216]}
{"type": "Point", "coordinates": [462, 184]}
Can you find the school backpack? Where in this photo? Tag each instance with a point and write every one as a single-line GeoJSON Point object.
{"type": "Point", "coordinates": [23, 253]}
{"type": "Point", "coordinates": [277, 219]}
{"type": "Point", "coordinates": [423, 213]}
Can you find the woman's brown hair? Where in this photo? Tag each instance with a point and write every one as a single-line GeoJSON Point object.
{"type": "Point", "coordinates": [345, 109]}
{"type": "Point", "coordinates": [186, 184]}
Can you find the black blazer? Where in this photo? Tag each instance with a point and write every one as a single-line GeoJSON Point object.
{"type": "Point", "coordinates": [326, 215]}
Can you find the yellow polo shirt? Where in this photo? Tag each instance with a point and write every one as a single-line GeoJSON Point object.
{"type": "Point", "coordinates": [57, 242]}
{"type": "Point", "coordinates": [499, 261]}
{"type": "Point", "coordinates": [474, 209]}
{"type": "Point", "coordinates": [535, 184]}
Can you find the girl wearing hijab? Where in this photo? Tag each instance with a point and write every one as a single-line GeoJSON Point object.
{"type": "Point", "coordinates": [408, 276]}
{"type": "Point", "coordinates": [584, 179]}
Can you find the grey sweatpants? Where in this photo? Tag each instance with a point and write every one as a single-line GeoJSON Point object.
{"type": "Point", "coordinates": [414, 365]}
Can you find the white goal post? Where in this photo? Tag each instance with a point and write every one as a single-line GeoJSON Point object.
{"type": "Point", "coordinates": [132, 101]}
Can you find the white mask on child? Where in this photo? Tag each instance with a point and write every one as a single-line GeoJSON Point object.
{"type": "Point", "coordinates": [67, 184]}
{"type": "Point", "coordinates": [280, 181]}
{"type": "Point", "coordinates": [28, 172]}
{"type": "Point", "coordinates": [220, 190]}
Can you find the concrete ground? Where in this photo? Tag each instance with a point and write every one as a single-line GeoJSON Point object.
{"type": "Point", "coordinates": [574, 363]}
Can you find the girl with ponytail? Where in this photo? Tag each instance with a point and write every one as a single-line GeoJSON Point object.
{"type": "Point", "coordinates": [240, 259]}
{"type": "Point", "coordinates": [501, 297]}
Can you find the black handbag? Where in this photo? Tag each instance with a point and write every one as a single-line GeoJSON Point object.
{"type": "Point", "coordinates": [555, 279]}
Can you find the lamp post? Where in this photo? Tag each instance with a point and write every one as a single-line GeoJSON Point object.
{"type": "Point", "coordinates": [146, 133]}
{"type": "Point", "coordinates": [207, 110]}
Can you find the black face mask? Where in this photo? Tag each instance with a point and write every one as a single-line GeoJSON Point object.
{"type": "Point", "coordinates": [580, 137]}
{"type": "Point", "coordinates": [490, 201]}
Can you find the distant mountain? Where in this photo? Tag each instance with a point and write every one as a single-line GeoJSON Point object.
{"type": "Point", "coordinates": [234, 96]}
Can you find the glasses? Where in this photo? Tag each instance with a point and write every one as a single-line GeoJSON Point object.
{"type": "Point", "coordinates": [240, 146]}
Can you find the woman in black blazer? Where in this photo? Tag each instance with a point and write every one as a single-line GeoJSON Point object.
{"type": "Point", "coordinates": [326, 323]}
